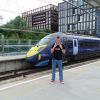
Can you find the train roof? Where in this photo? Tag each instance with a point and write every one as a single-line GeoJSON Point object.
{"type": "Point", "coordinates": [74, 36]}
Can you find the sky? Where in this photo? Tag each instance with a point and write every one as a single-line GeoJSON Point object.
{"type": "Point", "coordinates": [9, 9]}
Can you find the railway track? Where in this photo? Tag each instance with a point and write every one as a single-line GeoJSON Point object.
{"type": "Point", "coordinates": [33, 71]}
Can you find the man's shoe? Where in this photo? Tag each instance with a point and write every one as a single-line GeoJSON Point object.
{"type": "Point", "coordinates": [62, 82]}
{"type": "Point", "coordinates": [52, 81]}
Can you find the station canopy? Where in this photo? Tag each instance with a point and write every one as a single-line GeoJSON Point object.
{"type": "Point", "coordinates": [95, 3]}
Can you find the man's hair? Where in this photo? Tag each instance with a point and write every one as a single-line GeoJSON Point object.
{"type": "Point", "coordinates": [58, 37]}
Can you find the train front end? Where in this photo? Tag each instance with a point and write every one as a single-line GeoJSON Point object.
{"type": "Point", "coordinates": [40, 55]}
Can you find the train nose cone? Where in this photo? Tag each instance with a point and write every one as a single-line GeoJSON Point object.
{"type": "Point", "coordinates": [33, 54]}
{"type": "Point", "coordinates": [33, 51]}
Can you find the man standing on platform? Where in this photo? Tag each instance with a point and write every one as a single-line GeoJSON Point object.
{"type": "Point", "coordinates": [57, 51]}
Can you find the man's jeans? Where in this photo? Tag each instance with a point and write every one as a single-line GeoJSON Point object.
{"type": "Point", "coordinates": [54, 64]}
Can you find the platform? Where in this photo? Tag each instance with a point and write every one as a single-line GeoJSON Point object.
{"type": "Point", "coordinates": [10, 58]}
{"type": "Point", "coordinates": [81, 83]}
{"type": "Point", "coordinates": [14, 62]}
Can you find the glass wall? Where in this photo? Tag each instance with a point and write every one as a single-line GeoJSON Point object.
{"type": "Point", "coordinates": [72, 19]}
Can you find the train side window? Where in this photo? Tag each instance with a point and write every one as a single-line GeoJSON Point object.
{"type": "Point", "coordinates": [90, 44]}
{"type": "Point", "coordinates": [83, 44]}
{"type": "Point", "coordinates": [97, 44]}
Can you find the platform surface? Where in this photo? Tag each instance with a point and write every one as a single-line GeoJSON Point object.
{"type": "Point", "coordinates": [13, 57]}
{"type": "Point", "coordinates": [81, 83]}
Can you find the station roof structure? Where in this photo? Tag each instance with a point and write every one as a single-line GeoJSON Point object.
{"type": "Point", "coordinates": [95, 3]}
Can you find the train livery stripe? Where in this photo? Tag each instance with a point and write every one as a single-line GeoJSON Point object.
{"type": "Point", "coordinates": [34, 50]}
{"type": "Point", "coordinates": [42, 63]}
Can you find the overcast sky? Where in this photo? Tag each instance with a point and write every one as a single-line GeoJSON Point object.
{"type": "Point", "coordinates": [9, 9]}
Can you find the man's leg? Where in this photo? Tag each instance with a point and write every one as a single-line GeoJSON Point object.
{"type": "Point", "coordinates": [59, 62]}
{"type": "Point", "coordinates": [54, 63]}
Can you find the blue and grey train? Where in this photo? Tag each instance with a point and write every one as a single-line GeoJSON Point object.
{"type": "Point", "coordinates": [77, 47]}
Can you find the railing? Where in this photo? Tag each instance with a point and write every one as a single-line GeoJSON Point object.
{"type": "Point", "coordinates": [15, 47]}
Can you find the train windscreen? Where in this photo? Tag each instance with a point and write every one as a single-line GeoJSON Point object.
{"type": "Point", "coordinates": [45, 40]}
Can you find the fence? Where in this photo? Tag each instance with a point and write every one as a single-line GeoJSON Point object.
{"type": "Point", "coordinates": [15, 47]}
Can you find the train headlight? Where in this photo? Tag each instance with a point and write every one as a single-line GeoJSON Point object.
{"type": "Point", "coordinates": [39, 57]}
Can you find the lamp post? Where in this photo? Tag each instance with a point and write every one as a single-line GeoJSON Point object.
{"type": "Point", "coordinates": [2, 37]}
{"type": "Point", "coordinates": [1, 18]}
{"type": "Point", "coordinates": [2, 44]}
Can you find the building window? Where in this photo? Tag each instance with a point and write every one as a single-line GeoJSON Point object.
{"type": "Point", "coordinates": [73, 27]}
{"type": "Point", "coordinates": [73, 10]}
{"type": "Point", "coordinates": [68, 27]}
{"type": "Point", "coordinates": [78, 17]}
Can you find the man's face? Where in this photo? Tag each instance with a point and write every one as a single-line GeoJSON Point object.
{"type": "Point", "coordinates": [58, 40]}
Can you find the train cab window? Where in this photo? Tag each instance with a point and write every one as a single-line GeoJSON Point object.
{"type": "Point", "coordinates": [45, 40]}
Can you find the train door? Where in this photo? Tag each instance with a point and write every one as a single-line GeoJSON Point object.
{"type": "Point", "coordinates": [75, 46]}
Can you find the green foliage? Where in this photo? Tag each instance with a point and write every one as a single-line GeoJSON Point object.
{"type": "Point", "coordinates": [48, 31]}
{"type": "Point", "coordinates": [19, 23]}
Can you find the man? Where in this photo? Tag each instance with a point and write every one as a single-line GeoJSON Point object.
{"type": "Point", "coordinates": [57, 50]}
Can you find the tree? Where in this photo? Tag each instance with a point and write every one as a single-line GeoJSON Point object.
{"type": "Point", "coordinates": [17, 23]}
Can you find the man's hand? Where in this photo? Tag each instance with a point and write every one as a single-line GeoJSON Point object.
{"type": "Point", "coordinates": [63, 50]}
{"type": "Point", "coordinates": [52, 50]}
{"type": "Point", "coordinates": [61, 46]}
{"type": "Point", "coordinates": [55, 45]}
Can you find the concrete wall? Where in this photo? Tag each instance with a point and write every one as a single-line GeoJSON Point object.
{"type": "Point", "coordinates": [13, 63]}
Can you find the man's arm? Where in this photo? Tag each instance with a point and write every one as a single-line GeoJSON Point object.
{"type": "Point", "coordinates": [53, 48]}
{"type": "Point", "coordinates": [62, 48]}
